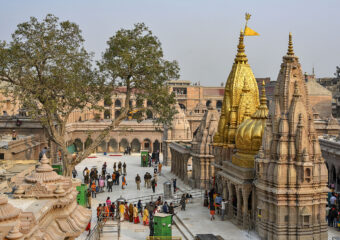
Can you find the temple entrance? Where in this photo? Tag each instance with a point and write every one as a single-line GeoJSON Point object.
{"type": "Point", "coordinates": [156, 146]}
{"type": "Point", "coordinates": [102, 147]}
{"type": "Point", "coordinates": [78, 144]}
{"type": "Point", "coordinates": [88, 142]}
{"type": "Point", "coordinates": [113, 146]}
{"type": "Point", "coordinates": [147, 145]}
{"type": "Point", "coordinates": [135, 145]}
{"type": "Point", "coordinates": [123, 145]}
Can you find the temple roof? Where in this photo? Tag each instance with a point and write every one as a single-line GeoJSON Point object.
{"type": "Point", "coordinates": [43, 173]}
{"type": "Point", "coordinates": [7, 210]}
{"type": "Point", "coordinates": [241, 95]}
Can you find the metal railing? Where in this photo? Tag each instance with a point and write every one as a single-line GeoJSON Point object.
{"type": "Point", "coordinates": [163, 238]}
{"type": "Point", "coordinates": [103, 221]}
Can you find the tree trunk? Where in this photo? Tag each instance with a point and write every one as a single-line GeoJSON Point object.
{"type": "Point", "coordinates": [67, 165]}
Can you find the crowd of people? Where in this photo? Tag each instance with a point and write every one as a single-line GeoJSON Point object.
{"type": "Point", "coordinates": [136, 213]}
{"type": "Point", "coordinates": [332, 210]}
{"type": "Point", "coordinates": [215, 203]}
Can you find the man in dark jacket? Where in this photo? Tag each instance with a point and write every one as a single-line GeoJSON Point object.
{"type": "Point", "coordinates": [153, 185]}
{"type": "Point", "coordinates": [165, 208]}
{"type": "Point", "coordinates": [151, 226]}
{"type": "Point", "coordinates": [109, 184]}
{"type": "Point", "coordinates": [332, 216]}
{"type": "Point", "coordinates": [117, 177]}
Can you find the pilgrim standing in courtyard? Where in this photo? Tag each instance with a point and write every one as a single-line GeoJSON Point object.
{"type": "Point", "coordinates": [123, 181]}
{"type": "Point", "coordinates": [146, 216]}
{"type": "Point", "coordinates": [135, 215]}
{"type": "Point", "coordinates": [124, 168]}
{"type": "Point", "coordinates": [121, 211]}
{"type": "Point", "coordinates": [138, 181]}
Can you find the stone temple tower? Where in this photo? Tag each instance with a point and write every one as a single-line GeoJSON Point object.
{"type": "Point", "coordinates": [291, 175]}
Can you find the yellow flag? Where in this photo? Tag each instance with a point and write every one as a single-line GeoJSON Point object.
{"type": "Point", "coordinates": [250, 32]}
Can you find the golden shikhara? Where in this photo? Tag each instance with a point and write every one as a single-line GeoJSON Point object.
{"type": "Point", "coordinates": [241, 97]}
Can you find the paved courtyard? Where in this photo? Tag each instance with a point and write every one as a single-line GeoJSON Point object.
{"type": "Point", "coordinates": [196, 217]}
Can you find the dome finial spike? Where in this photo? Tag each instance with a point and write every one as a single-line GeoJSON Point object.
{"type": "Point", "coordinates": [263, 99]}
{"type": "Point", "coordinates": [241, 57]}
{"type": "Point", "coordinates": [290, 51]}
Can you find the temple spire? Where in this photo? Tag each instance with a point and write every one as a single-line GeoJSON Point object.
{"type": "Point", "coordinates": [241, 57]}
{"type": "Point", "coordinates": [290, 51]}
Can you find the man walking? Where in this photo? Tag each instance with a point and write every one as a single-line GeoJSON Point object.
{"type": "Point", "coordinates": [145, 179]}
{"type": "Point", "coordinates": [138, 181]}
{"type": "Point", "coordinates": [109, 184]}
{"type": "Point", "coordinates": [223, 207]}
{"type": "Point", "coordinates": [174, 184]}
{"type": "Point", "coordinates": [153, 184]}
{"type": "Point", "coordinates": [124, 168]}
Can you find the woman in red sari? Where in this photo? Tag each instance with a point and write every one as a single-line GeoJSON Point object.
{"type": "Point", "coordinates": [126, 213]}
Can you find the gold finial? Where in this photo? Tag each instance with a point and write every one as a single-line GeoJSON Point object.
{"type": "Point", "coordinates": [248, 15]}
{"type": "Point", "coordinates": [263, 99]}
{"type": "Point", "coordinates": [241, 57]}
{"type": "Point", "coordinates": [290, 46]}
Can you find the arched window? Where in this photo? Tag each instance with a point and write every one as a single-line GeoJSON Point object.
{"type": "Point", "coordinates": [208, 103]}
{"type": "Point", "coordinates": [182, 106]}
{"type": "Point", "coordinates": [149, 114]}
{"type": "Point", "coordinates": [117, 113]}
{"type": "Point", "coordinates": [149, 103]}
{"type": "Point", "coordinates": [118, 103]}
{"type": "Point", "coordinates": [107, 114]}
{"type": "Point", "coordinates": [308, 174]}
{"type": "Point", "coordinates": [107, 102]}
{"type": "Point", "coordinates": [219, 104]}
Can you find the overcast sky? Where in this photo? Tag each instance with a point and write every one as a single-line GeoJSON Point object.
{"type": "Point", "coordinates": [202, 35]}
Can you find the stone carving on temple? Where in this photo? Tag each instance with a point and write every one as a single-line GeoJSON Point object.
{"type": "Point", "coordinates": [46, 207]}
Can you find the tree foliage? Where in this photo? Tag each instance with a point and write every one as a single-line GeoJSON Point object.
{"type": "Point", "coordinates": [48, 69]}
{"type": "Point", "coordinates": [134, 63]}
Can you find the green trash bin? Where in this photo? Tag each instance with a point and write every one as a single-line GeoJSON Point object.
{"type": "Point", "coordinates": [162, 225]}
{"type": "Point", "coordinates": [82, 195]}
{"type": "Point", "coordinates": [144, 158]}
{"type": "Point", "coordinates": [58, 168]}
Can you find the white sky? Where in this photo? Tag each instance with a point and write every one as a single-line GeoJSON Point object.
{"type": "Point", "coordinates": [202, 35]}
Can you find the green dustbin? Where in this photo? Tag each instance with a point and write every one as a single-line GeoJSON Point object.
{"type": "Point", "coordinates": [82, 195]}
{"type": "Point", "coordinates": [162, 225]}
{"type": "Point", "coordinates": [144, 155]}
{"type": "Point", "coordinates": [58, 168]}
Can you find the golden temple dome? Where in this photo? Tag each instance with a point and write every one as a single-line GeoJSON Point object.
{"type": "Point", "coordinates": [248, 137]}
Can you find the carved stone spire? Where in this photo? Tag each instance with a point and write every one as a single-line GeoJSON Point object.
{"type": "Point", "coordinates": [290, 51]}
{"type": "Point", "coordinates": [291, 167]}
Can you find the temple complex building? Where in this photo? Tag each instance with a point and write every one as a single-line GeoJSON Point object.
{"type": "Point", "coordinates": [238, 139]}
{"type": "Point", "coordinates": [291, 175]}
{"type": "Point", "coordinates": [333, 85]}
{"type": "Point", "coordinates": [44, 206]}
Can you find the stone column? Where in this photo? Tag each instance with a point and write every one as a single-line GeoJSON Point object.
{"type": "Point", "coordinates": [230, 201]}
{"type": "Point", "coordinates": [239, 206]}
{"type": "Point", "coordinates": [245, 196]}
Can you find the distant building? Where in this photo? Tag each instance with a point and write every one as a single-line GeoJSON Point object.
{"type": "Point", "coordinates": [333, 85]}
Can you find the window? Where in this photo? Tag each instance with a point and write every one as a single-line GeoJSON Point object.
{"type": "Point", "coordinates": [2, 156]}
{"type": "Point", "coordinates": [305, 221]}
{"type": "Point", "coordinates": [308, 175]}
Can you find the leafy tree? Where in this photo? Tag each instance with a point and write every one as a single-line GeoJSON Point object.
{"type": "Point", "coordinates": [48, 70]}
{"type": "Point", "coordinates": [133, 63]}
